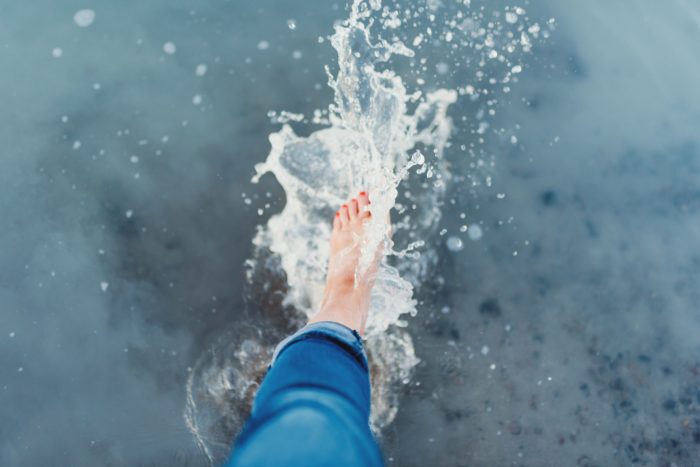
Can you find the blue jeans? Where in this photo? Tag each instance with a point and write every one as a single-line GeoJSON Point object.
{"type": "Point", "coordinates": [313, 407]}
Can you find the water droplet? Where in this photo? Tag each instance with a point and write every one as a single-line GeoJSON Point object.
{"type": "Point", "coordinates": [455, 244]}
{"type": "Point", "coordinates": [418, 158]}
{"type": "Point", "coordinates": [84, 18]}
{"type": "Point", "coordinates": [169, 48]}
{"type": "Point", "coordinates": [475, 232]}
{"type": "Point", "coordinates": [442, 68]}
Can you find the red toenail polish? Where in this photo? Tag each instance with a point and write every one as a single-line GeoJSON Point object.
{"type": "Point", "coordinates": [337, 214]}
{"type": "Point", "coordinates": [362, 193]}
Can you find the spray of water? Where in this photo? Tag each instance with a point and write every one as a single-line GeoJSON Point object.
{"type": "Point", "coordinates": [367, 146]}
{"type": "Point", "coordinates": [370, 145]}
{"type": "Point", "coordinates": [378, 137]}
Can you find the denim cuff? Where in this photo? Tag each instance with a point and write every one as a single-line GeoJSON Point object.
{"type": "Point", "coordinates": [346, 338]}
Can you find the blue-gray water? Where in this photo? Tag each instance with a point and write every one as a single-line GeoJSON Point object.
{"type": "Point", "coordinates": [568, 334]}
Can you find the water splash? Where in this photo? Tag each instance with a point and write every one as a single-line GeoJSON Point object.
{"type": "Point", "coordinates": [379, 137]}
{"type": "Point", "coordinates": [220, 391]}
{"type": "Point", "coordinates": [371, 144]}
{"type": "Point", "coordinates": [368, 146]}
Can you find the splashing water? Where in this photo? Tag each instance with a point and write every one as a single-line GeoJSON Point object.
{"type": "Point", "coordinates": [378, 136]}
{"type": "Point", "coordinates": [366, 147]}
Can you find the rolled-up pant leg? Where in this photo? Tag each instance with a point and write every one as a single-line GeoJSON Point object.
{"type": "Point", "coordinates": [313, 406]}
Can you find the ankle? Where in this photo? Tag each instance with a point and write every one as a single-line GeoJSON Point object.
{"type": "Point", "coordinates": [345, 317]}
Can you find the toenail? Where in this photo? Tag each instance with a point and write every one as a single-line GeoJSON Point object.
{"type": "Point", "coordinates": [362, 193]}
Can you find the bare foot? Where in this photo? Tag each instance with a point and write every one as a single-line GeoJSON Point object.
{"type": "Point", "coordinates": [347, 294]}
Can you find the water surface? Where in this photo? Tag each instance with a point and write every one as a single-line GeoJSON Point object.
{"type": "Point", "coordinates": [566, 333]}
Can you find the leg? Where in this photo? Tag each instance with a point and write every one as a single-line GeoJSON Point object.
{"type": "Point", "coordinates": [313, 406]}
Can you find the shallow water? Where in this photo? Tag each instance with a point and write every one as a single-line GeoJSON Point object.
{"type": "Point", "coordinates": [563, 330]}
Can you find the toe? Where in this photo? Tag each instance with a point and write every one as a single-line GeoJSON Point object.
{"type": "Point", "coordinates": [336, 221]}
{"type": "Point", "coordinates": [344, 214]}
{"type": "Point", "coordinates": [353, 208]}
{"type": "Point", "coordinates": [363, 204]}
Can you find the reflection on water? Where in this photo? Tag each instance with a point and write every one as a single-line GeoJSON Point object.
{"type": "Point", "coordinates": [554, 263]}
